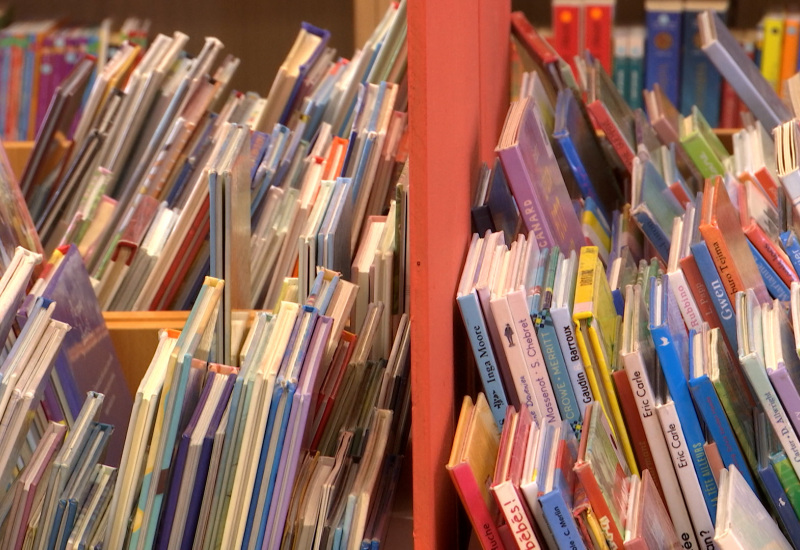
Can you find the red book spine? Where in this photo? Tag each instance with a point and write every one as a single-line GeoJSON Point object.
{"type": "Point", "coordinates": [567, 31]}
{"type": "Point", "coordinates": [773, 254]}
{"type": "Point", "coordinates": [729, 116]}
{"type": "Point", "coordinates": [536, 46]}
{"type": "Point", "coordinates": [479, 514]}
{"type": "Point", "coordinates": [604, 122]}
{"type": "Point", "coordinates": [641, 448]}
{"type": "Point", "coordinates": [599, 21]}
{"type": "Point", "coordinates": [768, 184]}
{"type": "Point", "coordinates": [700, 292]}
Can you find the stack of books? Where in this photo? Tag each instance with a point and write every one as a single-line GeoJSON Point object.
{"type": "Point", "coordinates": [632, 302]}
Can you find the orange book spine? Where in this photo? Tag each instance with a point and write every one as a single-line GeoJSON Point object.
{"type": "Point", "coordinates": [721, 255]}
{"type": "Point", "coordinates": [34, 97]}
{"type": "Point", "coordinates": [791, 42]}
{"type": "Point", "coordinates": [774, 255]}
{"type": "Point", "coordinates": [641, 448]}
{"type": "Point", "coordinates": [768, 184]}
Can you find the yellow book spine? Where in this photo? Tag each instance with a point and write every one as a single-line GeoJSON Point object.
{"type": "Point", "coordinates": [613, 403]}
{"type": "Point", "coordinates": [773, 49]}
{"type": "Point", "coordinates": [584, 285]}
{"type": "Point", "coordinates": [589, 365]}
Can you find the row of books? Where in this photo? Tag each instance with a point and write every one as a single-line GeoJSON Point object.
{"type": "Point", "coordinates": [163, 184]}
{"type": "Point", "coordinates": [35, 56]}
{"type": "Point", "coordinates": [627, 287]}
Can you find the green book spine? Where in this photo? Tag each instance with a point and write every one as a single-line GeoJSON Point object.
{"type": "Point", "coordinates": [787, 476]}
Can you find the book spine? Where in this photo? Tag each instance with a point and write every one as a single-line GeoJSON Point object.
{"type": "Point", "coordinates": [754, 369]}
{"type": "Point", "coordinates": [603, 119]}
{"type": "Point", "coordinates": [654, 233]}
{"type": "Point", "coordinates": [771, 187]}
{"type": "Point", "coordinates": [663, 52]}
{"type": "Point", "coordinates": [599, 506]}
{"type": "Point", "coordinates": [729, 105]}
{"type": "Point", "coordinates": [615, 413]}
{"type": "Point", "coordinates": [701, 83]}
{"type": "Point", "coordinates": [787, 392]}
{"type": "Point", "coordinates": [517, 365]}
{"type": "Point", "coordinates": [714, 460]}
{"type": "Point", "coordinates": [702, 155]}
{"type": "Point", "coordinates": [479, 515]}
{"type": "Point", "coordinates": [722, 258]}
{"type": "Point", "coordinates": [598, 17]}
{"type": "Point", "coordinates": [789, 480]}
{"type": "Point", "coordinates": [621, 68]}
{"type": "Point", "coordinates": [520, 525]}
{"type": "Point", "coordinates": [484, 355]}
{"type": "Point", "coordinates": [716, 290]}
{"type": "Point", "coordinates": [534, 359]}
{"type": "Point", "coordinates": [693, 436]}
{"type": "Point", "coordinates": [708, 404]}
{"type": "Point", "coordinates": [687, 476]}
{"type": "Point", "coordinates": [576, 165]}
{"type": "Point", "coordinates": [530, 210]}
{"type": "Point", "coordinates": [775, 286]}
{"type": "Point", "coordinates": [627, 402]}
{"type": "Point", "coordinates": [792, 248]}
{"type": "Point", "coordinates": [668, 485]}
{"type": "Point", "coordinates": [771, 51]}
{"type": "Point", "coordinates": [565, 330]}
{"type": "Point", "coordinates": [775, 256]}
{"type": "Point", "coordinates": [567, 32]}
{"type": "Point", "coordinates": [685, 299]}
{"type": "Point", "coordinates": [496, 342]}
{"type": "Point", "coordinates": [781, 504]}
{"type": "Point", "coordinates": [560, 520]}
{"type": "Point", "coordinates": [557, 370]}
{"type": "Point", "coordinates": [791, 43]}
{"type": "Point", "coordinates": [635, 67]}
{"type": "Point", "coordinates": [701, 296]}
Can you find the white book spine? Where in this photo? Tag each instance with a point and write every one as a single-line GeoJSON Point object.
{"type": "Point", "coordinates": [687, 477]}
{"type": "Point", "coordinates": [565, 330]}
{"type": "Point", "coordinates": [757, 374]}
{"type": "Point", "coordinates": [686, 303]}
{"type": "Point", "coordinates": [513, 353]}
{"type": "Point", "coordinates": [519, 524]}
{"type": "Point", "coordinates": [532, 353]}
{"type": "Point", "coordinates": [643, 395]}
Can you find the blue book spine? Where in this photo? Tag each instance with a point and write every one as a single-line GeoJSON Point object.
{"type": "Point", "coordinates": [708, 404]}
{"type": "Point", "coordinates": [780, 503]}
{"type": "Point", "coordinates": [679, 390]}
{"type": "Point", "coordinates": [719, 297]}
{"type": "Point", "coordinates": [654, 233]}
{"type": "Point", "coordinates": [576, 164]}
{"type": "Point", "coordinates": [484, 355]}
{"type": "Point", "coordinates": [775, 285]}
{"type": "Point", "coordinates": [557, 369]}
{"type": "Point", "coordinates": [619, 301]}
{"type": "Point", "coordinates": [792, 248]}
{"type": "Point", "coordinates": [561, 521]}
{"type": "Point", "coordinates": [701, 83]}
{"type": "Point", "coordinates": [663, 52]}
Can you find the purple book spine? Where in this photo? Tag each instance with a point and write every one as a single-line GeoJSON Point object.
{"type": "Point", "coordinates": [787, 392]}
{"type": "Point", "coordinates": [522, 188]}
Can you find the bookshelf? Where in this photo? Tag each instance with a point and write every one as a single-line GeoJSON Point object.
{"type": "Point", "coordinates": [458, 97]}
